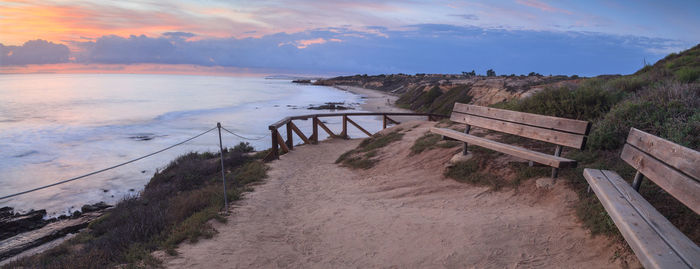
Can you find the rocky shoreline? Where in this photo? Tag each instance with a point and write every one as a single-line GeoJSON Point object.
{"type": "Point", "coordinates": [20, 232]}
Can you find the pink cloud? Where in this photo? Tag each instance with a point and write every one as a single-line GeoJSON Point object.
{"type": "Point", "coordinates": [302, 44]}
{"type": "Point", "coordinates": [542, 6]}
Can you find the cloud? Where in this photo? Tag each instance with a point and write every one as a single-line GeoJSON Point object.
{"type": "Point", "coordinates": [302, 44]}
{"type": "Point", "coordinates": [471, 17]}
{"type": "Point", "coordinates": [542, 6]}
{"type": "Point", "coordinates": [420, 48]}
{"type": "Point", "coordinates": [178, 35]}
{"type": "Point", "coordinates": [34, 52]}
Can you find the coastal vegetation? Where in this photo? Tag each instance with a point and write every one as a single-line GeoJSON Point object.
{"type": "Point", "coordinates": [431, 141]}
{"type": "Point", "coordinates": [363, 156]}
{"type": "Point", "coordinates": [176, 205]}
{"type": "Point", "coordinates": [662, 99]}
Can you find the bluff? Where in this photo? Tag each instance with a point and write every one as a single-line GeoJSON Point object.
{"type": "Point", "coordinates": [436, 93]}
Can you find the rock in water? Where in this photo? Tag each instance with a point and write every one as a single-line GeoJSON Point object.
{"type": "Point", "coordinates": [94, 207]}
{"type": "Point", "coordinates": [12, 224]}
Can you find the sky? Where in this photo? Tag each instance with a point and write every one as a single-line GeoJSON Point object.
{"type": "Point", "coordinates": [335, 37]}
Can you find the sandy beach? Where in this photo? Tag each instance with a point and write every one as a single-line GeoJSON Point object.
{"type": "Point", "coordinates": [375, 101]}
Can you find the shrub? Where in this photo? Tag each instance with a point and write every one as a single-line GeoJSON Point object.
{"type": "Point", "coordinates": [431, 141]}
{"type": "Point", "coordinates": [628, 83]}
{"type": "Point", "coordinates": [175, 205]}
{"type": "Point", "coordinates": [361, 157]}
{"type": "Point", "coordinates": [668, 110]}
{"type": "Point", "coordinates": [426, 99]}
{"type": "Point", "coordinates": [471, 171]}
{"type": "Point", "coordinates": [243, 147]}
{"type": "Point", "coordinates": [585, 103]}
{"type": "Point", "coordinates": [444, 103]}
{"type": "Point", "coordinates": [490, 73]}
{"type": "Point", "coordinates": [687, 74]}
{"type": "Point", "coordinates": [379, 140]}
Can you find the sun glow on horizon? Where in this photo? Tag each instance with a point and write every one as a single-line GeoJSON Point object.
{"type": "Point", "coordinates": [179, 69]}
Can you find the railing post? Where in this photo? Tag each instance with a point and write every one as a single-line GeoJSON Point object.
{"type": "Point", "coordinates": [344, 134]}
{"type": "Point", "coordinates": [557, 152]}
{"type": "Point", "coordinates": [465, 150]}
{"type": "Point", "coordinates": [275, 148]}
{"type": "Point", "coordinates": [314, 135]}
{"type": "Point", "coordinates": [384, 121]}
{"type": "Point", "coordinates": [223, 177]}
{"type": "Point", "coordinates": [290, 135]}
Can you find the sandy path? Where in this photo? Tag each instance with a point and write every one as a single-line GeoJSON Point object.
{"type": "Point", "coordinates": [311, 213]}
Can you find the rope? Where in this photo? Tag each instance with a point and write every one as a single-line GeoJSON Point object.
{"type": "Point", "coordinates": [109, 168]}
{"type": "Point", "coordinates": [243, 137]}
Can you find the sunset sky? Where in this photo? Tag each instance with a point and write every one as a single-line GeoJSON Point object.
{"type": "Point", "coordinates": [347, 37]}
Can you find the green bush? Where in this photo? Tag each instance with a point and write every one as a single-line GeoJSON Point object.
{"type": "Point", "coordinates": [667, 110]}
{"type": "Point", "coordinates": [244, 147]}
{"type": "Point", "coordinates": [687, 74]}
{"type": "Point", "coordinates": [444, 103]}
{"type": "Point", "coordinates": [588, 102]}
{"type": "Point", "coordinates": [361, 157]}
{"type": "Point", "coordinates": [628, 83]}
{"type": "Point", "coordinates": [431, 141]}
{"type": "Point", "coordinates": [426, 99]}
{"type": "Point", "coordinates": [176, 205]}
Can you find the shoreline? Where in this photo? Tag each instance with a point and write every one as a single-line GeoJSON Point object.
{"type": "Point", "coordinates": [375, 101]}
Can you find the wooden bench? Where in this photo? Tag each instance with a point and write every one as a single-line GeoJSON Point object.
{"type": "Point", "coordinates": [676, 169]}
{"type": "Point", "coordinates": [558, 131]}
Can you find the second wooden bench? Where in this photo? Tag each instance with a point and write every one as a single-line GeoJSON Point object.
{"type": "Point", "coordinates": [555, 130]}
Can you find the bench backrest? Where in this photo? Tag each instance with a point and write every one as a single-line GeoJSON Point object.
{"type": "Point", "coordinates": [674, 168]}
{"type": "Point", "coordinates": [555, 130]}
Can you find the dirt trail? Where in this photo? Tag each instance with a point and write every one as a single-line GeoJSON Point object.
{"type": "Point", "coordinates": [311, 213]}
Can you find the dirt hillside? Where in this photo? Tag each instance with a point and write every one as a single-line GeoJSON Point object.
{"type": "Point", "coordinates": [402, 213]}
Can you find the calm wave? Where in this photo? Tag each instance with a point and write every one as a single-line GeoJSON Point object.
{"type": "Point", "coordinates": [57, 126]}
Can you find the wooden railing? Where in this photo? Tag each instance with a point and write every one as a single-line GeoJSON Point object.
{"type": "Point", "coordinates": [278, 141]}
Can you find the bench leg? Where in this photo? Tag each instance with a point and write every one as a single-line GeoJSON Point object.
{"type": "Point", "coordinates": [637, 181]}
{"type": "Point", "coordinates": [465, 150]}
{"type": "Point", "coordinates": [555, 171]}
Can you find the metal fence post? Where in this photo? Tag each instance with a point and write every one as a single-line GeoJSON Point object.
{"type": "Point", "coordinates": [223, 177]}
{"type": "Point", "coordinates": [557, 152]}
{"type": "Point", "coordinates": [465, 146]}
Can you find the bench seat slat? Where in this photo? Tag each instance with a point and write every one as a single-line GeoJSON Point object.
{"type": "Point", "coordinates": [549, 122]}
{"type": "Point", "coordinates": [683, 188]}
{"type": "Point", "coordinates": [685, 248]}
{"type": "Point", "coordinates": [542, 134]}
{"type": "Point", "coordinates": [535, 156]}
{"type": "Point", "coordinates": [646, 231]}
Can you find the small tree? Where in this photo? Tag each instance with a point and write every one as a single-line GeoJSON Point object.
{"type": "Point", "coordinates": [490, 73]}
{"type": "Point", "coordinates": [469, 74]}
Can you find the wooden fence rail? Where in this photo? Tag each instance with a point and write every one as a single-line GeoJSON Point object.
{"type": "Point", "coordinates": [278, 141]}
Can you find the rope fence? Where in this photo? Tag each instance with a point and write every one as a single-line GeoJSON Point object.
{"type": "Point", "coordinates": [219, 127]}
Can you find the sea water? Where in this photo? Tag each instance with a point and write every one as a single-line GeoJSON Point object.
{"type": "Point", "coordinates": [58, 126]}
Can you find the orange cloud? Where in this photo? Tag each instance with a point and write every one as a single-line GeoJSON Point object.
{"type": "Point", "coordinates": [21, 21]}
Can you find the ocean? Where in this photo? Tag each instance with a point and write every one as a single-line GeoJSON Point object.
{"type": "Point", "coordinates": [58, 126]}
